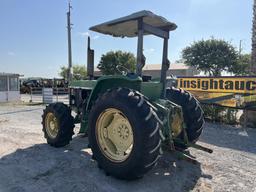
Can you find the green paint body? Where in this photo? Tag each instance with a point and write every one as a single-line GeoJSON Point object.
{"type": "Point", "coordinates": [152, 90]}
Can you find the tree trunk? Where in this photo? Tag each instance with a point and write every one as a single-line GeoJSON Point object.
{"type": "Point", "coordinates": [253, 57]}
{"type": "Point", "coordinates": [248, 117]}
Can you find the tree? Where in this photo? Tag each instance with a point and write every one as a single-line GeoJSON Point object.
{"type": "Point", "coordinates": [253, 56]}
{"type": "Point", "coordinates": [79, 72]}
{"type": "Point", "coordinates": [110, 62]}
{"type": "Point", "coordinates": [242, 66]}
{"type": "Point", "coordinates": [211, 56]}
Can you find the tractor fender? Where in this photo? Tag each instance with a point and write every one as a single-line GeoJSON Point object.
{"type": "Point", "coordinates": [112, 81]}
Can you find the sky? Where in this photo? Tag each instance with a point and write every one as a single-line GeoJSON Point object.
{"type": "Point", "coordinates": [33, 33]}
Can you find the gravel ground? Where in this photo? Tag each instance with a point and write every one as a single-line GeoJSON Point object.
{"type": "Point", "coordinates": [27, 163]}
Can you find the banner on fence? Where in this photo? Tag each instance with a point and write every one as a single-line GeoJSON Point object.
{"type": "Point", "coordinates": [238, 92]}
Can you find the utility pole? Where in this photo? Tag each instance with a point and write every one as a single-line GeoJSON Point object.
{"type": "Point", "coordinates": [70, 72]}
{"type": "Point", "coordinates": [253, 54]}
{"type": "Point", "coordinates": [240, 48]}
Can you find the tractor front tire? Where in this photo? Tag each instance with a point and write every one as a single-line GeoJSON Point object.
{"type": "Point", "coordinates": [124, 134]}
{"type": "Point", "coordinates": [58, 124]}
{"type": "Point", "coordinates": [192, 113]}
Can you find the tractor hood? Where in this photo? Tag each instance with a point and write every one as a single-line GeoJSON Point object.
{"type": "Point", "coordinates": [128, 26]}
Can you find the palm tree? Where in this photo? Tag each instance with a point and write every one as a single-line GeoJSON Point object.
{"type": "Point", "coordinates": [253, 56]}
{"type": "Point", "coordinates": [248, 117]}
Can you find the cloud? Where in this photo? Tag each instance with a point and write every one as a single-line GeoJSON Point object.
{"type": "Point", "coordinates": [204, 2]}
{"type": "Point", "coordinates": [10, 53]}
{"type": "Point", "coordinates": [84, 34]}
{"type": "Point", "coordinates": [87, 34]}
{"type": "Point", "coordinates": [96, 37]}
{"type": "Point", "coordinates": [150, 50]}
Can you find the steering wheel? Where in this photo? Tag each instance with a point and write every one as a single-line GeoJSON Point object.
{"type": "Point", "coordinates": [123, 70]}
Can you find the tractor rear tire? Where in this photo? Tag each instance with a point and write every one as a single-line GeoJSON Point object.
{"type": "Point", "coordinates": [58, 124]}
{"type": "Point", "coordinates": [146, 140]}
{"type": "Point", "coordinates": [192, 113]}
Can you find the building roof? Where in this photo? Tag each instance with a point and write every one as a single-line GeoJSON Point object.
{"type": "Point", "coordinates": [173, 66]}
{"type": "Point", "coordinates": [8, 74]}
{"type": "Point", "coordinates": [151, 67]}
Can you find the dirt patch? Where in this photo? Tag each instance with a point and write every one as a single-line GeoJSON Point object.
{"type": "Point", "coordinates": [28, 164]}
{"type": "Point", "coordinates": [4, 120]}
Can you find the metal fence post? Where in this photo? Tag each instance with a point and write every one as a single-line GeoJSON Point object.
{"type": "Point", "coordinates": [245, 118]}
{"type": "Point", "coordinates": [30, 95]}
{"type": "Point", "coordinates": [57, 92]}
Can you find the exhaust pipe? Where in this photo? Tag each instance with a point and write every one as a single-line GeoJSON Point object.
{"type": "Point", "coordinates": [90, 61]}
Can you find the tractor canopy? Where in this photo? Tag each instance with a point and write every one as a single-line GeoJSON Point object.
{"type": "Point", "coordinates": [128, 27]}
{"type": "Point", "coordinates": [137, 25]}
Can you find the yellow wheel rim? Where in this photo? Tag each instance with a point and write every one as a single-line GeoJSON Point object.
{"type": "Point", "coordinates": [176, 125]}
{"type": "Point", "coordinates": [114, 135]}
{"type": "Point", "coordinates": [51, 125]}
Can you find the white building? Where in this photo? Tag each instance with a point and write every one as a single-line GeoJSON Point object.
{"type": "Point", "coordinates": [176, 69]}
{"type": "Point", "coordinates": [9, 87]}
{"type": "Point", "coordinates": [154, 70]}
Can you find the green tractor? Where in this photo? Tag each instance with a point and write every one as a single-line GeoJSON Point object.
{"type": "Point", "coordinates": [128, 118]}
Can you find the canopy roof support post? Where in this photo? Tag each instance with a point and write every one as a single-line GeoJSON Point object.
{"type": "Point", "coordinates": [140, 62]}
{"type": "Point", "coordinates": [165, 66]}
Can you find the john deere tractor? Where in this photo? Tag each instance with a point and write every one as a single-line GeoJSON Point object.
{"type": "Point", "coordinates": [128, 118]}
